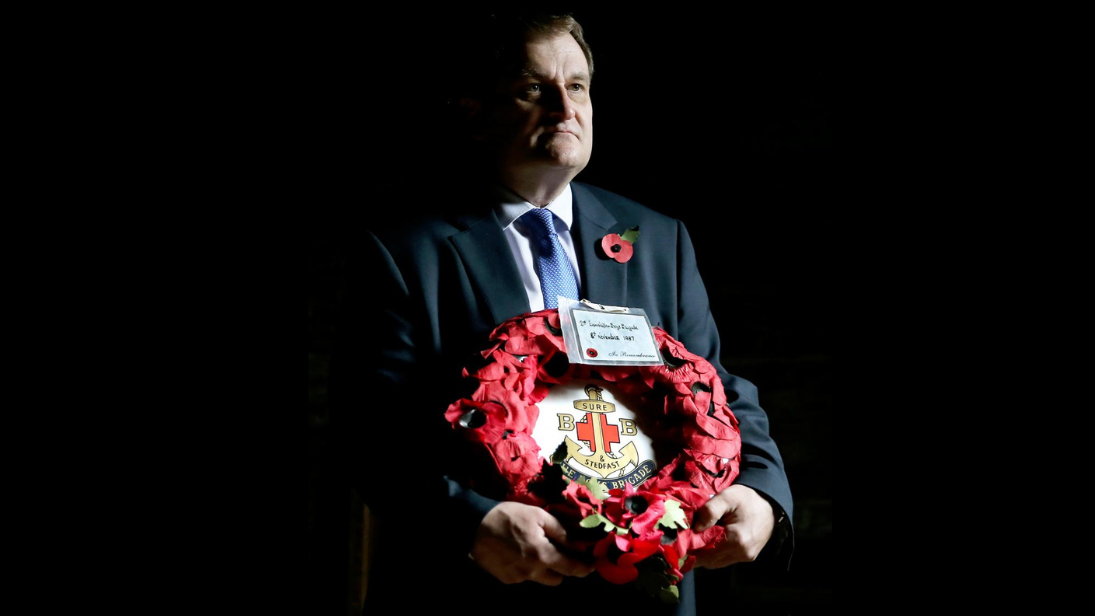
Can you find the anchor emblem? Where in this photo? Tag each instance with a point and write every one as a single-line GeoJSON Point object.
{"type": "Point", "coordinates": [600, 435]}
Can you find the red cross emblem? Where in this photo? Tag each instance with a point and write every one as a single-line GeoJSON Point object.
{"type": "Point", "coordinates": [587, 432]}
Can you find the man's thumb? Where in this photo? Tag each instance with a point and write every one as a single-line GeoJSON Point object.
{"type": "Point", "coordinates": [553, 528]}
{"type": "Point", "coordinates": [711, 512]}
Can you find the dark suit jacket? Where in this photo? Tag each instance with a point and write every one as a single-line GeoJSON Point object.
{"type": "Point", "coordinates": [425, 294]}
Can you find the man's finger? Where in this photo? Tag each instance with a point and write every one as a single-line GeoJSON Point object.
{"type": "Point", "coordinates": [568, 566]}
{"type": "Point", "coordinates": [553, 528]}
{"type": "Point", "coordinates": [711, 512]}
{"type": "Point", "coordinates": [547, 577]}
{"type": "Point", "coordinates": [562, 563]}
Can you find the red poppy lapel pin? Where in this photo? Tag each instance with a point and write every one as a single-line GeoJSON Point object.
{"type": "Point", "coordinates": [619, 246]}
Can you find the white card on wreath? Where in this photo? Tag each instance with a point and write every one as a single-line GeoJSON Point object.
{"type": "Point", "coordinates": [607, 335]}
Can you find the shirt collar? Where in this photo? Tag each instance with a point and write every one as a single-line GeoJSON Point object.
{"type": "Point", "coordinates": [510, 206]}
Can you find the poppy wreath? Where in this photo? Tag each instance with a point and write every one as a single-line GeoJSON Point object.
{"type": "Point", "coordinates": [640, 534]}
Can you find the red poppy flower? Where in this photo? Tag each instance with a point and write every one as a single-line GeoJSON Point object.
{"type": "Point", "coordinates": [513, 374]}
{"type": "Point", "coordinates": [580, 497]}
{"type": "Point", "coordinates": [617, 247]}
{"type": "Point", "coordinates": [484, 422]}
{"type": "Point", "coordinates": [646, 522]}
{"type": "Point", "coordinates": [517, 455]}
{"type": "Point", "coordinates": [618, 565]}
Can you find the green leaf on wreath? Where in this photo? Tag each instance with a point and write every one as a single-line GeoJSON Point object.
{"type": "Point", "coordinates": [595, 520]}
{"type": "Point", "coordinates": [598, 489]}
{"type": "Point", "coordinates": [654, 581]}
{"type": "Point", "coordinates": [673, 516]}
{"type": "Point", "coordinates": [630, 235]}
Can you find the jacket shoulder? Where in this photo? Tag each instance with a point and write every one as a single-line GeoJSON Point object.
{"type": "Point", "coordinates": [623, 208]}
{"type": "Point", "coordinates": [412, 226]}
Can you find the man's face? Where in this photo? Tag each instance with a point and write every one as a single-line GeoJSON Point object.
{"type": "Point", "coordinates": [543, 121]}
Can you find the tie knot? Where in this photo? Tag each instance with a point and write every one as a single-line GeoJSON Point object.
{"type": "Point", "coordinates": [540, 221]}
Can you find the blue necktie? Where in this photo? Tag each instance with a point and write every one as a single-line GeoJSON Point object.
{"type": "Point", "coordinates": [552, 264]}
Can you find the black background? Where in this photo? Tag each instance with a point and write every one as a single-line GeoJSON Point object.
{"type": "Point", "coordinates": [726, 119]}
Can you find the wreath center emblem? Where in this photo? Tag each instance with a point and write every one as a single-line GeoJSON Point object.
{"type": "Point", "coordinates": [601, 437]}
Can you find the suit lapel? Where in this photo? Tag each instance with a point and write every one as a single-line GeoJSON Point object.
{"type": "Point", "coordinates": [604, 281]}
{"type": "Point", "coordinates": [486, 255]}
{"type": "Point", "coordinates": [485, 252]}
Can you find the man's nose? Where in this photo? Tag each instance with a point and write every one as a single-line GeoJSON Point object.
{"type": "Point", "coordinates": [559, 106]}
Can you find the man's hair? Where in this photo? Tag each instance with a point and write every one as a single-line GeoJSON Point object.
{"type": "Point", "coordinates": [519, 27]}
{"type": "Point", "coordinates": [497, 43]}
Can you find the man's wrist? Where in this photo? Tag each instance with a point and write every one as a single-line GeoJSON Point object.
{"type": "Point", "coordinates": [781, 529]}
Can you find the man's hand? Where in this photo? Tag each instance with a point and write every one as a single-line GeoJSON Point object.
{"type": "Point", "coordinates": [517, 542]}
{"type": "Point", "coordinates": [748, 519]}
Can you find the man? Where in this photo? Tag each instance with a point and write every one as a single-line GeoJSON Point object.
{"type": "Point", "coordinates": [430, 289]}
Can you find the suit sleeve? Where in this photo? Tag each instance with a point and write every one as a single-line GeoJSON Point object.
{"type": "Point", "coordinates": [761, 463]}
{"type": "Point", "coordinates": [389, 435]}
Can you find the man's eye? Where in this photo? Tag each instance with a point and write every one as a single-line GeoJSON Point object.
{"type": "Point", "coordinates": [532, 88]}
{"type": "Point", "coordinates": [577, 87]}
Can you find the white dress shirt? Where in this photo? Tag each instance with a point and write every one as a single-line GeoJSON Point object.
{"type": "Point", "coordinates": [509, 208]}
